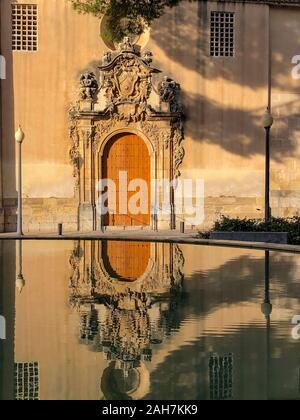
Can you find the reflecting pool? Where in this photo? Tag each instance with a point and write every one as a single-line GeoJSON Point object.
{"type": "Point", "coordinates": [95, 320]}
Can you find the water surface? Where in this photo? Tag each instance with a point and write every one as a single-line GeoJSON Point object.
{"type": "Point", "coordinates": [122, 320]}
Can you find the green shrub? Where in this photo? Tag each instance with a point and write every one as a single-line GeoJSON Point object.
{"type": "Point", "coordinates": [277, 224]}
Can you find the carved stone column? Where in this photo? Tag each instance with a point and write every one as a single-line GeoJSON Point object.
{"type": "Point", "coordinates": [87, 195]}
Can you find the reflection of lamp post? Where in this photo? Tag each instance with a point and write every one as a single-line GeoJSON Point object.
{"type": "Point", "coordinates": [267, 309]}
{"type": "Point", "coordinates": [19, 137]}
{"type": "Point", "coordinates": [20, 283]}
{"type": "Point", "coordinates": [267, 122]}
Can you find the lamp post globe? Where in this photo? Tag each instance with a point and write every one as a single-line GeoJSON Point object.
{"type": "Point", "coordinates": [268, 119]}
{"type": "Point", "coordinates": [19, 135]}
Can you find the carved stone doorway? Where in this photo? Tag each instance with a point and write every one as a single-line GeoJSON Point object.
{"type": "Point", "coordinates": [128, 99]}
{"type": "Point", "coordinates": [125, 162]}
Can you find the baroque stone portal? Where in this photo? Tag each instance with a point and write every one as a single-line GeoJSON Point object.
{"type": "Point", "coordinates": [129, 98]}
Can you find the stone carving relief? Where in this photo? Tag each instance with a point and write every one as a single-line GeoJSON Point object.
{"type": "Point", "coordinates": [89, 86]}
{"type": "Point", "coordinates": [126, 83]}
{"type": "Point", "coordinates": [74, 153]}
{"type": "Point", "coordinates": [168, 91]}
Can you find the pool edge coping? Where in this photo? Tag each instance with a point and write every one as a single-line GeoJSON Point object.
{"type": "Point", "coordinates": [186, 239]}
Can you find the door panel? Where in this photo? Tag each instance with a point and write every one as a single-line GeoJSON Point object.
{"type": "Point", "coordinates": [126, 153]}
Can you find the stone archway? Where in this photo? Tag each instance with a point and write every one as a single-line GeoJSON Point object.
{"type": "Point", "coordinates": [126, 101]}
{"type": "Point", "coordinates": [126, 163]}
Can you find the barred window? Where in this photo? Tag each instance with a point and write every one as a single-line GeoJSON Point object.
{"type": "Point", "coordinates": [221, 377]}
{"type": "Point", "coordinates": [24, 27]}
{"type": "Point", "coordinates": [27, 386]}
{"type": "Point", "coordinates": [222, 34]}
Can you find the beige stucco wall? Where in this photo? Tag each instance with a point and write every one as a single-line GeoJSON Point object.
{"type": "Point", "coordinates": [38, 92]}
{"type": "Point", "coordinates": [3, 65]}
{"type": "Point", "coordinates": [286, 108]}
{"type": "Point", "coordinates": [224, 100]}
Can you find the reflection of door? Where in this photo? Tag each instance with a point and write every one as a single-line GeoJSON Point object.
{"type": "Point", "coordinates": [127, 153]}
{"type": "Point", "coordinates": [126, 261]}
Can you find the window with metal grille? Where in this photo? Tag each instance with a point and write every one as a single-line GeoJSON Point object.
{"type": "Point", "coordinates": [27, 385]}
{"type": "Point", "coordinates": [222, 34]}
{"type": "Point", "coordinates": [221, 377]}
{"type": "Point", "coordinates": [24, 27]}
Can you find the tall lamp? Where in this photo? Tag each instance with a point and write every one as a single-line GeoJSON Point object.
{"type": "Point", "coordinates": [268, 121]}
{"type": "Point", "coordinates": [19, 137]}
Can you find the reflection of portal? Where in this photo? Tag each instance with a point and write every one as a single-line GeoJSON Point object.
{"type": "Point", "coordinates": [126, 311]}
{"type": "Point", "coordinates": [126, 261]}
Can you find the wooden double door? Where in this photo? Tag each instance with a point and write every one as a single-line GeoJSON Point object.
{"type": "Point", "coordinates": [126, 159]}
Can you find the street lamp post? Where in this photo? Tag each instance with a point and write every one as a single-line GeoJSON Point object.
{"type": "Point", "coordinates": [267, 122]}
{"type": "Point", "coordinates": [19, 137]}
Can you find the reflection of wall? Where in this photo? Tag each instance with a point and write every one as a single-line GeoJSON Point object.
{"type": "Point", "coordinates": [219, 312]}
{"type": "Point", "coordinates": [7, 309]}
{"type": "Point", "coordinates": [47, 332]}
{"type": "Point", "coordinates": [221, 377]}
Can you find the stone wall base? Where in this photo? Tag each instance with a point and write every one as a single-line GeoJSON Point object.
{"type": "Point", "coordinates": [44, 214]}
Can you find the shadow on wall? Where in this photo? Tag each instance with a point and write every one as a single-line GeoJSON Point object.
{"type": "Point", "coordinates": [184, 36]}
{"type": "Point", "coordinates": [8, 147]}
{"type": "Point", "coordinates": [235, 130]}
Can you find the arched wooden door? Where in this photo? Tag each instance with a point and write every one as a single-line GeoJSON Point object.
{"type": "Point", "coordinates": [127, 153]}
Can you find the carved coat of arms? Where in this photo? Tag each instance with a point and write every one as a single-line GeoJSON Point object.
{"type": "Point", "coordinates": [129, 80]}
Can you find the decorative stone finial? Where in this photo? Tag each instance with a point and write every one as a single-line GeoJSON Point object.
{"type": "Point", "coordinates": [107, 58]}
{"type": "Point", "coordinates": [89, 86]}
{"type": "Point", "coordinates": [126, 45]}
{"type": "Point", "coordinates": [168, 92]}
{"type": "Point", "coordinates": [147, 57]}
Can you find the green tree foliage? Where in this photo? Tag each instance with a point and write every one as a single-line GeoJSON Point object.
{"type": "Point", "coordinates": [125, 17]}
